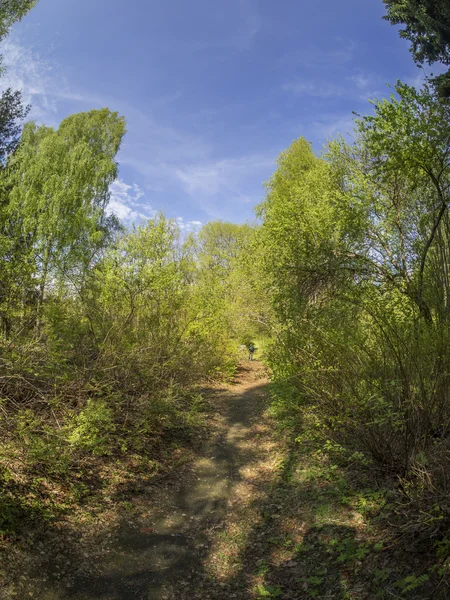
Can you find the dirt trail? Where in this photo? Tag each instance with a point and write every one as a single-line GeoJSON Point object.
{"type": "Point", "coordinates": [183, 538]}
{"type": "Point", "coordinates": [250, 517]}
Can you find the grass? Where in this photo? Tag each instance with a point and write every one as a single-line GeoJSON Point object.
{"type": "Point", "coordinates": [324, 529]}
{"type": "Point", "coordinates": [333, 538]}
{"type": "Point", "coordinates": [305, 520]}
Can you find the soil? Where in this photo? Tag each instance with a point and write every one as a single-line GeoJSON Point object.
{"type": "Point", "coordinates": [247, 515]}
{"type": "Point", "coordinates": [182, 538]}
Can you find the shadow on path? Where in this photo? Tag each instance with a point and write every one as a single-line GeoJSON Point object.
{"type": "Point", "coordinates": [169, 552]}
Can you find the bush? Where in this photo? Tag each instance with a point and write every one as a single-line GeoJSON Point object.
{"type": "Point", "coordinates": [92, 428]}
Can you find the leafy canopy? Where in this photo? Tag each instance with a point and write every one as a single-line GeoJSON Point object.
{"type": "Point", "coordinates": [427, 27]}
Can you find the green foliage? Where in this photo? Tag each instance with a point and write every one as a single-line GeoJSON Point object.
{"type": "Point", "coordinates": [412, 582]}
{"type": "Point", "coordinates": [12, 11]}
{"type": "Point", "coordinates": [92, 428]}
{"type": "Point", "coordinates": [230, 282]}
{"type": "Point", "coordinates": [349, 550]}
{"type": "Point", "coordinates": [104, 332]}
{"type": "Point", "coordinates": [356, 266]}
{"type": "Point", "coordinates": [427, 27]}
{"type": "Point", "coordinates": [344, 287]}
{"type": "Point", "coordinates": [12, 113]}
{"type": "Point", "coordinates": [44, 448]}
{"type": "Point", "coordinates": [54, 222]}
{"type": "Point", "coordinates": [268, 591]}
{"type": "Point", "coordinates": [353, 260]}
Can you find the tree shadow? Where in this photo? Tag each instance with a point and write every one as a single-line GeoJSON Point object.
{"type": "Point", "coordinates": [280, 562]}
{"type": "Point", "coordinates": [296, 549]}
{"type": "Point", "coordinates": [299, 550]}
{"type": "Point", "coordinates": [167, 556]}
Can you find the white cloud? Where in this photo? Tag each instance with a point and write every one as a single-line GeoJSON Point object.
{"type": "Point", "coordinates": [35, 76]}
{"type": "Point", "coordinates": [226, 175]}
{"type": "Point", "coordinates": [211, 184]}
{"type": "Point", "coordinates": [359, 86]}
{"type": "Point", "coordinates": [361, 81]}
{"type": "Point", "coordinates": [188, 226]}
{"type": "Point", "coordinates": [124, 202]}
{"type": "Point", "coordinates": [166, 160]}
{"type": "Point", "coordinates": [331, 126]}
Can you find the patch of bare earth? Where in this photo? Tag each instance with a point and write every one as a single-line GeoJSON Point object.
{"type": "Point", "coordinates": [179, 537]}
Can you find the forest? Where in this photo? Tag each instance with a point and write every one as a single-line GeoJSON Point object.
{"type": "Point", "coordinates": [110, 335]}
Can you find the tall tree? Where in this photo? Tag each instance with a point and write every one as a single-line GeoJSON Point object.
{"type": "Point", "coordinates": [12, 110]}
{"type": "Point", "coordinates": [12, 113]}
{"type": "Point", "coordinates": [59, 189]}
{"type": "Point", "coordinates": [427, 27]}
{"type": "Point", "coordinates": [404, 155]}
{"type": "Point", "coordinates": [12, 11]}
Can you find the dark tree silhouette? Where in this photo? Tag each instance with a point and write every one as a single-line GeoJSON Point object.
{"type": "Point", "coordinates": [427, 27]}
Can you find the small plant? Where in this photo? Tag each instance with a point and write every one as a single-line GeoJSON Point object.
{"type": "Point", "coordinates": [381, 575]}
{"type": "Point", "coordinates": [262, 568]}
{"type": "Point", "coordinates": [268, 591]}
{"type": "Point", "coordinates": [92, 428]}
{"type": "Point", "coordinates": [412, 582]}
{"type": "Point", "coordinates": [349, 550]}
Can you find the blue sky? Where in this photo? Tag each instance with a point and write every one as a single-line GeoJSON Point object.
{"type": "Point", "coordinates": [212, 91]}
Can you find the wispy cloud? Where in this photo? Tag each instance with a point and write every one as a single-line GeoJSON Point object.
{"type": "Point", "coordinates": [166, 161]}
{"type": "Point", "coordinates": [220, 176]}
{"type": "Point", "coordinates": [358, 86]}
{"type": "Point", "coordinates": [251, 21]}
{"type": "Point", "coordinates": [225, 179]}
{"type": "Point", "coordinates": [124, 202]}
{"type": "Point", "coordinates": [37, 77]}
{"type": "Point", "coordinates": [188, 226]}
{"type": "Point", "coordinates": [331, 126]}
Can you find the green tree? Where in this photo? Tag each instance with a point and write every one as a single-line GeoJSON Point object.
{"type": "Point", "coordinates": [12, 11]}
{"type": "Point", "coordinates": [228, 278]}
{"type": "Point", "coordinates": [12, 113]}
{"type": "Point", "coordinates": [427, 27]}
{"type": "Point", "coordinates": [58, 182]}
{"type": "Point", "coordinates": [357, 265]}
{"type": "Point", "coordinates": [399, 176]}
{"type": "Point", "coordinates": [308, 234]}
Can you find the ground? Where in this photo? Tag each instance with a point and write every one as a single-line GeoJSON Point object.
{"type": "Point", "coordinates": [251, 514]}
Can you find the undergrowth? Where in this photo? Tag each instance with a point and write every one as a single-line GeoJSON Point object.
{"type": "Point", "coordinates": [364, 532]}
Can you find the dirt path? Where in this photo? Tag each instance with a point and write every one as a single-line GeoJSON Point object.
{"type": "Point", "coordinates": [183, 539]}
{"type": "Point", "coordinates": [250, 517]}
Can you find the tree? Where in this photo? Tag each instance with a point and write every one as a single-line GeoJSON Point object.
{"type": "Point", "coordinates": [427, 27]}
{"type": "Point", "coordinates": [356, 255]}
{"type": "Point", "coordinates": [306, 231]}
{"type": "Point", "coordinates": [12, 113]}
{"type": "Point", "coordinates": [404, 178]}
{"type": "Point", "coordinates": [228, 278]}
{"type": "Point", "coordinates": [59, 184]}
{"type": "Point", "coordinates": [12, 11]}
